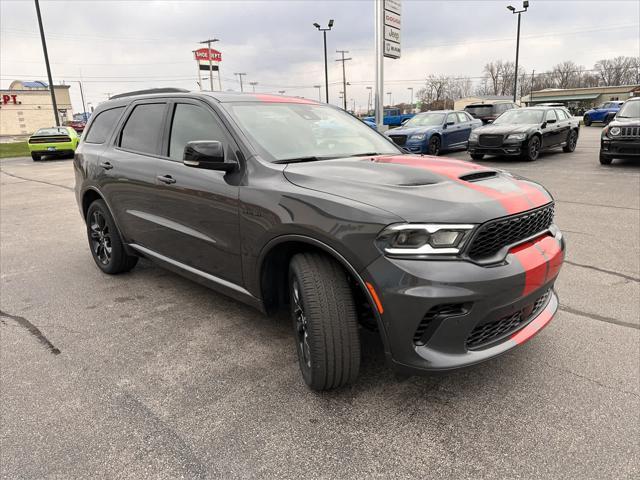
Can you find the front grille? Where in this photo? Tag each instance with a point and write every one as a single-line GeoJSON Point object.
{"type": "Point", "coordinates": [494, 235]}
{"type": "Point", "coordinates": [490, 140]}
{"type": "Point", "coordinates": [437, 313]}
{"type": "Point", "coordinates": [487, 333]}
{"type": "Point", "coordinates": [630, 131]}
{"type": "Point", "coordinates": [52, 139]}
{"type": "Point", "coordinates": [399, 139]}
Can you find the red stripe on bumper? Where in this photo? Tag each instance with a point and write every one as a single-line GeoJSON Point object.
{"type": "Point", "coordinates": [534, 265]}
{"type": "Point", "coordinates": [534, 327]}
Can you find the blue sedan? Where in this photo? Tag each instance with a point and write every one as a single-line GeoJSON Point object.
{"type": "Point", "coordinates": [433, 132]}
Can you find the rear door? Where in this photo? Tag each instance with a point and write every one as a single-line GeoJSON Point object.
{"type": "Point", "coordinates": [465, 126]}
{"type": "Point", "coordinates": [550, 131]}
{"type": "Point", "coordinates": [129, 168]}
{"type": "Point", "coordinates": [564, 125]}
{"type": "Point", "coordinates": [195, 210]}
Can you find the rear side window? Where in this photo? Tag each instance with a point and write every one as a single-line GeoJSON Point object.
{"type": "Point", "coordinates": [191, 122]}
{"type": "Point", "coordinates": [102, 125]}
{"type": "Point", "coordinates": [143, 129]}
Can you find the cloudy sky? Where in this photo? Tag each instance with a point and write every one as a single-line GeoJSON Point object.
{"type": "Point", "coordinates": [120, 46]}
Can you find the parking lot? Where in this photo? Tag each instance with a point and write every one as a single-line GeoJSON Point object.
{"type": "Point", "coordinates": [150, 375]}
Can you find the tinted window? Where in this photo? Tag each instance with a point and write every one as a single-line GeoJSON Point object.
{"type": "Point", "coordinates": [551, 115]}
{"type": "Point", "coordinates": [452, 117]}
{"type": "Point", "coordinates": [143, 129]}
{"type": "Point", "coordinates": [102, 125]}
{"type": "Point", "coordinates": [190, 123]}
{"type": "Point", "coordinates": [479, 110]}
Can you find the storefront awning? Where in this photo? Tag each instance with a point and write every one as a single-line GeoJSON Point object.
{"type": "Point", "coordinates": [565, 98]}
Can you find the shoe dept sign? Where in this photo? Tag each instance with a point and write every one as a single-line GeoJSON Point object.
{"type": "Point", "coordinates": [392, 10]}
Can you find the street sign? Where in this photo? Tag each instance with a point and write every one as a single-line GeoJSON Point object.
{"type": "Point", "coordinates": [204, 54]}
{"type": "Point", "coordinates": [392, 24]}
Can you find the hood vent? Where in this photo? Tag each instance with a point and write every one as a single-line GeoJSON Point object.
{"type": "Point", "coordinates": [477, 176]}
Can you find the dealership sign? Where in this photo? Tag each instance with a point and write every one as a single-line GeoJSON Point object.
{"type": "Point", "coordinates": [7, 99]}
{"type": "Point", "coordinates": [392, 24]}
{"type": "Point", "coordinates": [206, 54]}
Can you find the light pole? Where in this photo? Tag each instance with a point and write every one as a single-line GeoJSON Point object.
{"type": "Point", "coordinates": [240, 76]}
{"type": "Point", "coordinates": [369, 99]}
{"type": "Point", "coordinates": [344, 78]}
{"type": "Point", "coordinates": [253, 84]}
{"type": "Point", "coordinates": [389, 93]}
{"type": "Point", "coordinates": [46, 62]}
{"type": "Point", "coordinates": [326, 70]}
{"type": "Point", "coordinates": [525, 6]}
{"type": "Point", "coordinates": [319, 87]}
{"type": "Point", "coordinates": [208, 43]}
{"type": "Point", "coordinates": [411, 101]}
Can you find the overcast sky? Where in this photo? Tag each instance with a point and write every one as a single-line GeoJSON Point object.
{"type": "Point", "coordinates": [120, 46]}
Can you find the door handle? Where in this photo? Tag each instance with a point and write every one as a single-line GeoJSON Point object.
{"type": "Point", "coordinates": [168, 179]}
{"type": "Point", "coordinates": [106, 165]}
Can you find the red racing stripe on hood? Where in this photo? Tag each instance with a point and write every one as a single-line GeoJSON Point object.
{"type": "Point", "coordinates": [525, 198]}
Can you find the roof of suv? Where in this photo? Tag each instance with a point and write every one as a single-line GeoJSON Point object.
{"type": "Point", "coordinates": [221, 97]}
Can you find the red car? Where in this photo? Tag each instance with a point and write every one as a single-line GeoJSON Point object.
{"type": "Point", "coordinates": [77, 125]}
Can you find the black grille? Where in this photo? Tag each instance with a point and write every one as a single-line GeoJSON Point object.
{"type": "Point", "coordinates": [630, 131]}
{"type": "Point", "coordinates": [490, 140]}
{"type": "Point", "coordinates": [437, 313]}
{"type": "Point", "coordinates": [494, 235]}
{"type": "Point", "coordinates": [487, 333]}
{"type": "Point", "coordinates": [399, 139]}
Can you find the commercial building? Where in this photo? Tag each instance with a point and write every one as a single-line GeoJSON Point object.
{"type": "Point", "coordinates": [577, 99]}
{"type": "Point", "coordinates": [26, 107]}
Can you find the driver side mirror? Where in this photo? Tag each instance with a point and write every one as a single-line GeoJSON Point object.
{"type": "Point", "coordinates": [551, 120]}
{"type": "Point", "coordinates": [207, 154]}
{"type": "Point", "coordinates": [450, 123]}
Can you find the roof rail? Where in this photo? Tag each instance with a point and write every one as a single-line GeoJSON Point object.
{"type": "Point", "coordinates": [151, 90]}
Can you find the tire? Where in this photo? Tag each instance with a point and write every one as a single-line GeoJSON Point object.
{"type": "Point", "coordinates": [532, 151]}
{"type": "Point", "coordinates": [434, 146]}
{"type": "Point", "coordinates": [105, 242]}
{"type": "Point", "coordinates": [572, 141]}
{"type": "Point", "coordinates": [477, 156]}
{"type": "Point", "coordinates": [604, 160]}
{"type": "Point", "coordinates": [325, 324]}
{"type": "Point", "coordinates": [587, 121]}
{"type": "Point", "coordinates": [35, 157]}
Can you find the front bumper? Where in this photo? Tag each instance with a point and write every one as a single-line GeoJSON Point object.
{"type": "Point", "coordinates": [506, 149]}
{"type": "Point", "coordinates": [480, 311]}
{"type": "Point", "coordinates": [620, 147]}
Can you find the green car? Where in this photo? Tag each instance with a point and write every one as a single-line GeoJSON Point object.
{"type": "Point", "coordinates": [54, 141]}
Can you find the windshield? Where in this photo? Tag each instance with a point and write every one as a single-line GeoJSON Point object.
{"type": "Point", "coordinates": [299, 131]}
{"type": "Point", "coordinates": [479, 110]}
{"type": "Point", "coordinates": [52, 131]}
{"type": "Point", "coordinates": [426, 120]}
{"type": "Point", "coordinates": [520, 117]}
{"type": "Point", "coordinates": [630, 110]}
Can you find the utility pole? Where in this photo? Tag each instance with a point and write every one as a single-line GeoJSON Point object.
{"type": "Point", "coordinates": [319, 92]}
{"type": "Point", "coordinates": [240, 77]}
{"type": "Point", "coordinates": [389, 93]}
{"type": "Point", "coordinates": [46, 62]}
{"type": "Point", "coordinates": [84, 107]}
{"type": "Point", "coordinates": [208, 43]}
{"type": "Point", "coordinates": [344, 78]}
{"type": "Point", "coordinates": [326, 70]}
{"type": "Point", "coordinates": [525, 6]}
{"type": "Point", "coordinates": [411, 101]}
{"type": "Point", "coordinates": [369, 100]}
{"type": "Point", "coordinates": [253, 84]}
{"type": "Point", "coordinates": [533, 76]}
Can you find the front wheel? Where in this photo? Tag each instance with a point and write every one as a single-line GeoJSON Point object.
{"type": "Point", "coordinates": [105, 242]}
{"type": "Point", "coordinates": [532, 150]}
{"type": "Point", "coordinates": [477, 156]}
{"type": "Point", "coordinates": [325, 323]}
{"type": "Point", "coordinates": [587, 120]}
{"type": "Point", "coordinates": [604, 160]}
{"type": "Point", "coordinates": [572, 141]}
{"type": "Point", "coordinates": [434, 146]}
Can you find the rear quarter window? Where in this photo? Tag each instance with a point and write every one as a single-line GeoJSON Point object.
{"type": "Point", "coordinates": [102, 125]}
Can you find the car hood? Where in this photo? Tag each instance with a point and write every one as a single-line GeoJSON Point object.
{"type": "Point", "coordinates": [422, 188]}
{"type": "Point", "coordinates": [505, 129]}
{"type": "Point", "coordinates": [624, 122]}
{"type": "Point", "coordinates": [410, 130]}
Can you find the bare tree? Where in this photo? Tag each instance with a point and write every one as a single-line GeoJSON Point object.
{"type": "Point", "coordinates": [567, 74]}
{"type": "Point", "coordinates": [618, 70]}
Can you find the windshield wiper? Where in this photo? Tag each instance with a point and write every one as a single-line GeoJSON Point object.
{"type": "Point", "coordinates": [369, 154]}
{"type": "Point", "coordinates": [302, 159]}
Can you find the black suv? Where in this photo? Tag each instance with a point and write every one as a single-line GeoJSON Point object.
{"type": "Point", "coordinates": [287, 203]}
{"type": "Point", "coordinates": [487, 111]}
{"type": "Point", "coordinates": [526, 132]}
{"type": "Point", "coordinates": [621, 137]}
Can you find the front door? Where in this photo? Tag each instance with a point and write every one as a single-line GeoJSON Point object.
{"type": "Point", "coordinates": [197, 209]}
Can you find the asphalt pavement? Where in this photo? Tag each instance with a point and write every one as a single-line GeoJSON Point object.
{"type": "Point", "coordinates": [148, 375]}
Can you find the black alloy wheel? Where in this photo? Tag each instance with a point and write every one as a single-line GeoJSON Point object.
{"type": "Point", "coordinates": [572, 141]}
{"type": "Point", "coordinates": [533, 149]}
{"type": "Point", "coordinates": [301, 327]}
{"type": "Point", "coordinates": [434, 146]}
{"type": "Point", "coordinates": [100, 238]}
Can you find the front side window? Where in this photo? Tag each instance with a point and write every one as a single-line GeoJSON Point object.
{"type": "Point", "coordinates": [462, 117]}
{"type": "Point", "coordinates": [452, 118]}
{"type": "Point", "coordinates": [293, 131]}
{"type": "Point", "coordinates": [102, 125]}
{"type": "Point", "coordinates": [190, 123]}
{"type": "Point", "coordinates": [143, 129]}
{"type": "Point", "coordinates": [551, 115]}
{"type": "Point", "coordinates": [561, 115]}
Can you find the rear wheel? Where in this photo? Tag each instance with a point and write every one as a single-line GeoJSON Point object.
{"type": "Point", "coordinates": [604, 160]}
{"type": "Point", "coordinates": [434, 146]}
{"type": "Point", "coordinates": [325, 324]}
{"type": "Point", "coordinates": [587, 120]}
{"type": "Point", "coordinates": [572, 141]}
{"type": "Point", "coordinates": [532, 150]}
{"type": "Point", "coordinates": [105, 242]}
{"type": "Point", "coordinates": [477, 156]}
{"type": "Point", "coordinates": [35, 156]}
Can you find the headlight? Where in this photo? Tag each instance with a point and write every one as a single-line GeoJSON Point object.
{"type": "Point", "coordinates": [418, 136]}
{"type": "Point", "coordinates": [613, 131]}
{"type": "Point", "coordinates": [473, 136]}
{"type": "Point", "coordinates": [517, 136]}
{"type": "Point", "coordinates": [423, 239]}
